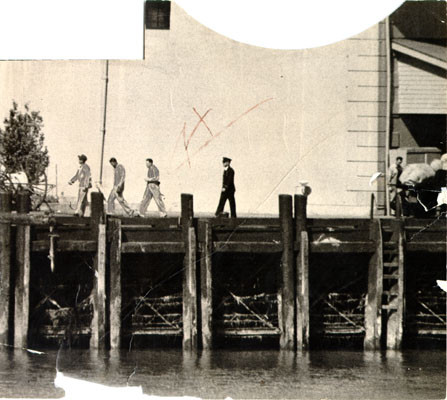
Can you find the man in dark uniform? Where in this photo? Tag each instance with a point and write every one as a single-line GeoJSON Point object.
{"type": "Point", "coordinates": [228, 189]}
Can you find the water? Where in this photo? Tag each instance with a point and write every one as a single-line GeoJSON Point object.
{"type": "Point", "coordinates": [412, 374]}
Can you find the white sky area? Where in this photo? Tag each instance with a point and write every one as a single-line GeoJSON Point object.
{"type": "Point", "coordinates": [72, 107]}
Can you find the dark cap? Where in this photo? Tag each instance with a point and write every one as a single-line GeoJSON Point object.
{"type": "Point", "coordinates": [113, 159]}
{"type": "Point", "coordinates": [226, 159]}
{"type": "Point", "coordinates": [83, 157]}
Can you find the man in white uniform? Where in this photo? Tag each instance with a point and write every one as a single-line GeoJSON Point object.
{"type": "Point", "coordinates": [82, 175]}
{"type": "Point", "coordinates": [152, 189]}
{"type": "Point", "coordinates": [118, 189]}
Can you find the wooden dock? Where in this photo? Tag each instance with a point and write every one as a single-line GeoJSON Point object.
{"type": "Point", "coordinates": [103, 281]}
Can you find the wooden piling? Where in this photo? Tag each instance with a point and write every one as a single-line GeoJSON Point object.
{"type": "Point", "coordinates": [373, 305]}
{"type": "Point", "coordinates": [287, 304]}
{"type": "Point", "coordinates": [206, 294]}
{"type": "Point", "coordinates": [97, 212]}
{"type": "Point", "coordinates": [22, 275]}
{"type": "Point", "coordinates": [98, 324]}
{"type": "Point", "coordinates": [190, 338]}
{"type": "Point", "coordinates": [302, 273]}
{"type": "Point", "coordinates": [5, 269]}
{"type": "Point", "coordinates": [115, 285]}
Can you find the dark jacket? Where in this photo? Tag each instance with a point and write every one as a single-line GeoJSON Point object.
{"type": "Point", "coordinates": [228, 180]}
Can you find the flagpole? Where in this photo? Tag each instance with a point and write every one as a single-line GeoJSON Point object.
{"type": "Point", "coordinates": [104, 121]}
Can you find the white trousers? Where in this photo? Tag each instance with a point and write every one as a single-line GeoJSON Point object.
{"type": "Point", "coordinates": [152, 191]}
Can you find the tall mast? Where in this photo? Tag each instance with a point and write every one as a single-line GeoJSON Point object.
{"type": "Point", "coordinates": [104, 120]}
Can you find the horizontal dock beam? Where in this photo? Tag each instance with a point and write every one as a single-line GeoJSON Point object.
{"type": "Point", "coordinates": [292, 236]}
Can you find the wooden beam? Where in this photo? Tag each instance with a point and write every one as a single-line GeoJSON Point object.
{"type": "Point", "coordinates": [248, 332]}
{"type": "Point", "coordinates": [429, 247]}
{"type": "Point", "coordinates": [342, 247]}
{"type": "Point", "coordinates": [206, 294]}
{"type": "Point", "coordinates": [98, 324]}
{"type": "Point", "coordinates": [115, 285]}
{"type": "Point", "coordinates": [24, 219]}
{"type": "Point", "coordinates": [22, 274]}
{"type": "Point", "coordinates": [190, 294]}
{"type": "Point", "coordinates": [247, 247]}
{"type": "Point", "coordinates": [153, 247]}
{"type": "Point", "coordinates": [373, 305]}
{"type": "Point", "coordinates": [5, 270]}
{"type": "Point", "coordinates": [65, 246]}
{"type": "Point", "coordinates": [287, 274]}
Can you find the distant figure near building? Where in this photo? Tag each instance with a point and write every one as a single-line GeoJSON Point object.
{"type": "Point", "coordinates": [118, 189]}
{"type": "Point", "coordinates": [152, 189]}
{"type": "Point", "coordinates": [83, 175]}
{"type": "Point", "coordinates": [228, 189]}
{"type": "Point", "coordinates": [394, 183]}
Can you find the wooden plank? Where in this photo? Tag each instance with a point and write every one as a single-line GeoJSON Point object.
{"type": "Point", "coordinates": [115, 285]}
{"type": "Point", "coordinates": [21, 309]}
{"type": "Point", "coordinates": [429, 247]}
{"type": "Point", "coordinates": [247, 247]}
{"type": "Point", "coordinates": [287, 274]}
{"type": "Point", "coordinates": [65, 246]}
{"type": "Point", "coordinates": [98, 325]}
{"type": "Point", "coordinates": [5, 270]}
{"type": "Point", "coordinates": [151, 228]}
{"type": "Point", "coordinates": [24, 219]}
{"type": "Point", "coordinates": [342, 247]}
{"type": "Point", "coordinates": [190, 294]}
{"type": "Point", "coordinates": [153, 247]}
{"type": "Point", "coordinates": [248, 332]}
{"type": "Point", "coordinates": [206, 294]}
{"type": "Point", "coordinates": [373, 304]}
{"type": "Point", "coordinates": [157, 332]}
{"type": "Point", "coordinates": [302, 293]}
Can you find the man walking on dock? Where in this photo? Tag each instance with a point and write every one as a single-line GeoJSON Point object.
{"type": "Point", "coordinates": [82, 175]}
{"type": "Point", "coordinates": [228, 189]}
{"type": "Point", "coordinates": [118, 189]}
{"type": "Point", "coordinates": [152, 189]}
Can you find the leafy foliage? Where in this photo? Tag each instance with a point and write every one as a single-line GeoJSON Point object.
{"type": "Point", "coordinates": [22, 144]}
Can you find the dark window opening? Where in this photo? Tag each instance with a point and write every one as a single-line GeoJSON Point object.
{"type": "Point", "coordinates": [157, 14]}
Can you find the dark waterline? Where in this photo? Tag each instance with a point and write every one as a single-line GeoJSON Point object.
{"type": "Point", "coordinates": [412, 374]}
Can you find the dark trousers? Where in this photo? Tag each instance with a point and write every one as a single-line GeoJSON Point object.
{"type": "Point", "coordinates": [224, 196]}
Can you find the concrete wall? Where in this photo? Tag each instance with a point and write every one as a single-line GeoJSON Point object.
{"type": "Point", "coordinates": [282, 116]}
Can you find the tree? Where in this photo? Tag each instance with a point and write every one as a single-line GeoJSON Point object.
{"type": "Point", "coordinates": [22, 144]}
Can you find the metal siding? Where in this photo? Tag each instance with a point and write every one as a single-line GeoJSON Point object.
{"type": "Point", "coordinates": [420, 91]}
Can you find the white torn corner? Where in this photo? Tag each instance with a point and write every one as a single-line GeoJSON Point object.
{"type": "Point", "coordinates": [374, 177]}
{"type": "Point", "coordinates": [442, 285]}
{"type": "Point", "coordinates": [80, 389]}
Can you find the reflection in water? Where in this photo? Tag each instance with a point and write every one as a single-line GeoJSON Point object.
{"type": "Point", "coordinates": [239, 374]}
